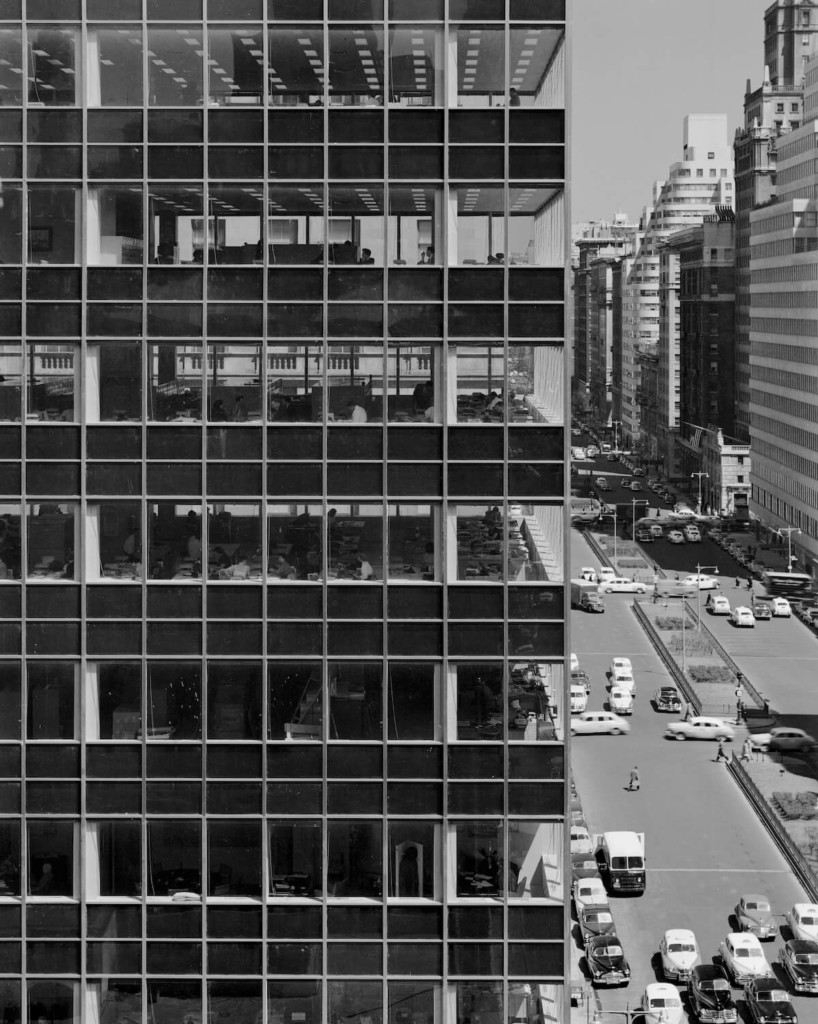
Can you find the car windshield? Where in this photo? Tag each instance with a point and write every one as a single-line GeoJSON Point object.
{"type": "Point", "coordinates": [717, 985]}
{"type": "Point", "coordinates": [806, 958]}
{"type": "Point", "coordinates": [757, 906]}
{"type": "Point", "coordinates": [620, 863]}
{"type": "Point", "coordinates": [599, 918]}
{"type": "Point", "coordinates": [611, 951]}
{"type": "Point", "coordinates": [681, 947]}
{"type": "Point", "coordinates": [809, 920]}
{"type": "Point", "coordinates": [658, 1001]}
{"type": "Point", "coordinates": [775, 995]}
{"type": "Point", "coordinates": [742, 953]}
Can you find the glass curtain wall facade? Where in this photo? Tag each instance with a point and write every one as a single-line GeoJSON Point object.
{"type": "Point", "coordinates": [282, 517]}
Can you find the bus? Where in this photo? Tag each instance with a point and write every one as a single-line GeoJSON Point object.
{"type": "Point", "coordinates": [789, 584]}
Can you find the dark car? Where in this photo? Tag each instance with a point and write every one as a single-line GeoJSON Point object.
{"type": "Point", "coordinates": [799, 958]}
{"type": "Point", "coordinates": [596, 921]}
{"type": "Point", "coordinates": [583, 865]}
{"type": "Point", "coordinates": [709, 993]}
{"type": "Point", "coordinates": [581, 678]}
{"type": "Point", "coordinates": [606, 960]}
{"type": "Point", "coordinates": [667, 698]}
{"type": "Point", "coordinates": [769, 1002]}
{"type": "Point", "coordinates": [761, 611]}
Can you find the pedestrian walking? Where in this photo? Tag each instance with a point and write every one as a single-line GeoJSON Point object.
{"type": "Point", "coordinates": [746, 749]}
{"type": "Point", "coordinates": [738, 582]}
{"type": "Point", "coordinates": [722, 753]}
{"type": "Point", "coordinates": [633, 782]}
{"type": "Point", "coordinates": [749, 582]}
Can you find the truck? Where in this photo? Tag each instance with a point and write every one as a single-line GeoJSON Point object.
{"type": "Point", "coordinates": [621, 860]}
{"type": "Point", "coordinates": [585, 595]}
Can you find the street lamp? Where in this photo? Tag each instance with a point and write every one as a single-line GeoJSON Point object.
{"type": "Point", "coordinates": [789, 530]}
{"type": "Point", "coordinates": [699, 499]}
{"type": "Point", "coordinates": [616, 424]}
{"type": "Point", "coordinates": [710, 568]}
{"type": "Point", "coordinates": [633, 519]}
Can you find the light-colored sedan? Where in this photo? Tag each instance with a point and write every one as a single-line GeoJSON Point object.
{"type": "Point", "coordinates": [701, 580]}
{"type": "Point", "coordinates": [700, 727]}
{"type": "Point", "coordinates": [780, 607]}
{"type": "Point", "coordinates": [680, 953]}
{"type": "Point", "coordinates": [675, 537]}
{"type": "Point", "coordinates": [581, 841]}
{"type": "Point", "coordinates": [742, 616]}
{"type": "Point", "coordinates": [620, 700]}
{"type": "Point", "coordinates": [622, 585]}
{"type": "Point", "coordinates": [743, 958]}
{"type": "Point", "coordinates": [783, 737]}
{"type": "Point", "coordinates": [662, 1004]}
{"type": "Point", "coordinates": [589, 892]}
{"type": "Point", "coordinates": [803, 921]}
{"type": "Point", "coordinates": [599, 722]}
{"type": "Point", "coordinates": [717, 604]}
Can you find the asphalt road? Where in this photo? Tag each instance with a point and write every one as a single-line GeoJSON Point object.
{"type": "Point", "coordinates": [704, 845]}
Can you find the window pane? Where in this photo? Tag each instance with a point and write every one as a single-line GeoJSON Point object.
{"type": "Point", "coordinates": [413, 542]}
{"type": "Point", "coordinates": [115, 233]}
{"type": "Point", "coordinates": [296, 65]}
{"type": "Point", "coordinates": [11, 224]}
{"type": "Point", "coordinates": [234, 542]}
{"type": "Point", "coordinates": [234, 858]}
{"type": "Point", "coordinates": [294, 383]}
{"type": "Point", "coordinates": [51, 858]}
{"type": "Point", "coordinates": [115, 66]}
{"type": "Point", "coordinates": [535, 372]}
{"type": "Point", "coordinates": [295, 701]}
{"type": "Point", "coordinates": [355, 541]}
{"type": "Point", "coordinates": [478, 849]}
{"type": "Point", "coordinates": [295, 542]}
{"type": "Point", "coordinates": [536, 67]}
{"type": "Point", "coordinates": [355, 701]}
{"type": "Point", "coordinates": [235, 65]}
{"type": "Point", "coordinates": [356, 65]}
{"type": "Point", "coordinates": [176, 226]}
{"type": "Point", "coordinates": [175, 72]}
{"type": "Point", "coordinates": [479, 706]}
{"type": "Point", "coordinates": [10, 864]}
{"type": "Point", "coordinates": [356, 235]}
{"type": "Point", "coordinates": [114, 708]}
{"type": "Point", "coordinates": [11, 80]}
{"type": "Point", "coordinates": [51, 540]}
{"type": "Point", "coordinates": [53, 224]}
{"type": "Point", "coordinates": [174, 857]}
{"type": "Point", "coordinates": [53, 76]}
{"type": "Point", "coordinates": [480, 64]}
{"type": "Point", "coordinates": [114, 859]}
{"type": "Point", "coordinates": [534, 864]}
{"type": "Point", "coordinates": [412, 369]}
{"type": "Point", "coordinates": [175, 392]}
{"type": "Point", "coordinates": [295, 858]}
{"type": "Point", "coordinates": [413, 855]}
{"type": "Point", "coordinates": [233, 700]}
{"type": "Point", "coordinates": [355, 866]}
{"type": "Point", "coordinates": [416, 71]}
{"type": "Point", "coordinates": [174, 700]}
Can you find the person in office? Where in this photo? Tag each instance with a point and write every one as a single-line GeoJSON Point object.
{"type": "Point", "coordinates": [282, 568]}
{"type": "Point", "coordinates": [364, 570]}
{"type": "Point", "coordinates": [366, 256]}
{"type": "Point", "coordinates": [46, 883]}
{"type": "Point", "coordinates": [356, 413]}
{"type": "Point", "coordinates": [218, 413]}
{"type": "Point", "coordinates": [239, 410]}
{"type": "Point", "coordinates": [513, 97]}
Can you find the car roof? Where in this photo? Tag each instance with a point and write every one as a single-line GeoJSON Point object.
{"type": "Point", "coordinates": [668, 689]}
{"type": "Point", "coordinates": [743, 939]}
{"type": "Point", "coordinates": [805, 908]}
{"type": "Point", "coordinates": [803, 945]}
{"type": "Point", "coordinates": [679, 935]}
{"type": "Point", "coordinates": [661, 988]}
{"type": "Point", "coordinates": [768, 985]}
{"type": "Point", "coordinates": [708, 971]}
{"type": "Point", "coordinates": [755, 897]}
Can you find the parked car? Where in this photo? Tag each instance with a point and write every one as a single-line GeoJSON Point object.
{"type": "Point", "coordinates": [783, 737]}
{"type": "Point", "coordinates": [596, 921]}
{"type": "Point", "coordinates": [606, 961]}
{"type": "Point", "coordinates": [619, 663]}
{"type": "Point", "coordinates": [577, 699]}
{"type": "Point", "coordinates": [803, 921]}
{"type": "Point", "coordinates": [754, 915]}
{"type": "Point", "coordinates": [675, 537]}
{"type": "Point", "coordinates": [591, 451]}
{"type": "Point", "coordinates": [692, 534]}
{"type": "Point", "coordinates": [679, 952]}
{"type": "Point", "coordinates": [702, 580]}
{"type": "Point", "coordinates": [700, 727]}
{"type": "Point", "coordinates": [710, 997]}
{"type": "Point", "coordinates": [656, 530]}
{"type": "Point", "coordinates": [769, 1002]}
{"type": "Point", "coordinates": [662, 1004]}
{"type": "Point", "coordinates": [599, 722]}
{"type": "Point", "coordinates": [743, 958]}
{"type": "Point", "coordinates": [761, 611]}
{"type": "Point", "coordinates": [780, 607]}
{"type": "Point", "coordinates": [636, 485]}
{"type": "Point", "coordinates": [799, 958]}
{"type": "Point", "coordinates": [587, 572]}
{"type": "Point", "coordinates": [581, 841]}
{"type": "Point", "coordinates": [638, 470]}
{"type": "Point", "coordinates": [583, 867]}
{"type": "Point", "coordinates": [741, 615]}
{"type": "Point", "coordinates": [606, 572]}
{"type": "Point", "coordinates": [589, 892]}
{"type": "Point", "coordinates": [620, 700]}
{"type": "Point", "coordinates": [644, 535]}
{"type": "Point", "coordinates": [717, 604]}
{"type": "Point", "coordinates": [574, 662]}
{"type": "Point", "coordinates": [622, 585]}
{"type": "Point", "coordinates": [667, 698]}
{"type": "Point", "coordinates": [579, 677]}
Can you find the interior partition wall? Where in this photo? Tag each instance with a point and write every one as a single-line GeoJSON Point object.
{"type": "Point", "coordinates": [282, 516]}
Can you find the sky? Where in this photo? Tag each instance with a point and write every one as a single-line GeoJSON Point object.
{"type": "Point", "coordinates": [638, 67]}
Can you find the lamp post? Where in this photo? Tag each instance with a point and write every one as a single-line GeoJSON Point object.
{"type": "Point", "coordinates": [789, 530]}
{"type": "Point", "coordinates": [633, 519]}
{"type": "Point", "coordinates": [616, 424]}
{"type": "Point", "coordinates": [710, 568]}
{"type": "Point", "coordinates": [699, 499]}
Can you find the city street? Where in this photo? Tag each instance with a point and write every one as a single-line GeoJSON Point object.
{"type": "Point", "coordinates": [704, 844]}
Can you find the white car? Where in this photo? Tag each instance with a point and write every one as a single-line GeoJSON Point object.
{"type": "Point", "coordinates": [692, 534]}
{"type": "Point", "coordinates": [780, 606]}
{"type": "Point", "coordinates": [622, 585]}
{"type": "Point", "coordinates": [619, 662]}
{"type": "Point", "coordinates": [680, 953]}
{"type": "Point", "coordinates": [581, 841]}
{"type": "Point", "coordinates": [675, 537]}
{"type": "Point", "coordinates": [574, 662]}
{"type": "Point", "coordinates": [803, 921]}
{"type": "Point", "coordinates": [742, 616]}
{"type": "Point", "coordinates": [681, 508]}
{"type": "Point", "coordinates": [599, 722]}
{"type": "Point", "coordinates": [606, 572]}
{"type": "Point", "coordinates": [592, 451]}
{"type": "Point", "coordinates": [700, 727]}
{"type": "Point", "coordinates": [587, 572]}
{"type": "Point", "coordinates": [700, 579]}
{"type": "Point", "coordinates": [743, 958]}
{"type": "Point", "coordinates": [620, 700]}
{"type": "Point", "coordinates": [717, 604]}
{"type": "Point", "coordinates": [577, 699]}
{"type": "Point", "coordinates": [624, 680]}
{"type": "Point", "coordinates": [662, 1004]}
{"type": "Point", "coordinates": [589, 892]}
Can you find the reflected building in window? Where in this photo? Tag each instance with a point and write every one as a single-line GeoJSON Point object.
{"type": "Point", "coordinates": [282, 523]}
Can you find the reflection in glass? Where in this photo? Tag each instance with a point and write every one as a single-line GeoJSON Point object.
{"type": "Point", "coordinates": [113, 709]}
{"type": "Point", "coordinates": [535, 860]}
{"type": "Point", "coordinates": [10, 863]}
{"type": "Point", "coordinates": [11, 67]}
{"type": "Point", "coordinates": [533, 698]}
{"type": "Point", "coordinates": [415, 65]}
{"type": "Point", "coordinates": [175, 68]}
{"type": "Point", "coordinates": [296, 65]}
{"type": "Point", "coordinates": [175, 392]}
{"type": "Point", "coordinates": [53, 76]}
{"type": "Point", "coordinates": [234, 858]}
{"type": "Point", "coordinates": [295, 542]}
{"type": "Point", "coordinates": [174, 1000]}
{"type": "Point", "coordinates": [300, 999]}
{"type": "Point", "coordinates": [295, 858]}
{"type": "Point", "coordinates": [294, 382]}
{"type": "Point", "coordinates": [53, 224]}
{"type": "Point", "coordinates": [356, 66]}
{"type": "Point", "coordinates": [479, 706]}
{"type": "Point", "coordinates": [113, 858]}
{"type": "Point", "coordinates": [53, 1000]}
{"type": "Point", "coordinates": [233, 383]}
{"type": "Point", "coordinates": [481, 60]}
{"type": "Point", "coordinates": [536, 67]}
{"type": "Point", "coordinates": [11, 223]}
{"type": "Point", "coordinates": [295, 701]}
{"type": "Point", "coordinates": [516, 543]}
{"type": "Point", "coordinates": [242, 998]}
{"type": "Point", "coordinates": [10, 549]}
{"type": "Point", "coordinates": [415, 225]}
{"type": "Point", "coordinates": [412, 396]}
{"type": "Point", "coordinates": [11, 373]}
{"type": "Point", "coordinates": [479, 1000]}
{"type": "Point", "coordinates": [478, 857]}
{"type": "Point", "coordinates": [116, 998]}
{"type": "Point", "coordinates": [175, 225]}
{"type": "Point", "coordinates": [234, 542]}
{"type": "Point", "coordinates": [174, 700]}
{"type": "Point", "coordinates": [115, 236]}
{"type": "Point", "coordinates": [174, 857]}
{"type": "Point", "coordinates": [114, 66]}
{"type": "Point", "coordinates": [51, 858]}
{"type": "Point", "coordinates": [412, 536]}
{"type": "Point", "coordinates": [354, 867]}
{"type": "Point", "coordinates": [479, 236]}
{"type": "Point", "coordinates": [355, 700]}
{"type": "Point", "coordinates": [235, 65]}
{"type": "Point", "coordinates": [413, 859]}
{"type": "Point", "coordinates": [51, 540]}
{"type": "Point", "coordinates": [233, 700]}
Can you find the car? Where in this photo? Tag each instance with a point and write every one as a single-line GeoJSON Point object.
{"type": "Point", "coordinates": [657, 531]}
{"type": "Point", "coordinates": [589, 573]}
{"type": "Point", "coordinates": [583, 866]}
{"type": "Point", "coordinates": [717, 604]}
{"type": "Point", "coordinates": [754, 915]}
{"type": "Point", "coordinates": [581, 841]}
{"type": "Point", "coordinates": [589, 892]}
{"type": "Point", "coordinates": [602, 483]}
{"type": "Point", "coordinates": [596, 921]}
{"type": "Point", "coordinates": [675, 537]}
{"type": "Point", "coordinates": [606, 572]}
{"type": "Point", "coordinates": [702, 580]}
{"type": "Point", "coordinates": [761, 611]}
{"type": "Point", "coordinates": [620, 700]}
{"type": "Point", "coordinates": [783, 737]}
{"type": "Point", "coordinates": [799, 958]}
{"type": "Point", "coordinates": [581, 678]}
{"type": "Point", "coordinates": [741, 615]}
{"type": "Point", "coordinates": [620, 663]}
{"type": "Point", "coordinates": [768, 1002]}
{"type": "Point", "coordinates": [590, 722]}
{"type": "Point", "coordinates": [700, 727]}
{"type": "Point", "coordinates": [612, 457]}
{"type": "Point", "coordinates": [679, 952]}
{"type": "Point", "coordinates": [667, 698]}
{"type": "Point", "coordinates": [780, 608]}
{"type": "Point", "coordinates": [605, 959]}
{"type": "Point", "coordinates": [708, 991]}
{"type": "Point", "coordinates": [577, 699]}
{"type": "Point", "coordinates": [624, 680]}
{"type": "Point", "coordinates": [683, 508]}
{"type": "Point", "coordinates": [591, 451]}
{"type": "Point", "coordinates": [636, 485]}
{"type": "Point", "coordinates": [622, 585]}
{"type": "Point", "coordinates": [743, 958]}
{"type": "Point", "coordinates": [644, 535]}
{"type": "Point", "coordinates": [577, 453]}
{"type": "Point", "coordinates": [638, 471]}
{"type": "Point", "coordinates": [661, 1004]}
{"type": "Point", "coordinates": [574, 662]}
{"type": "Point", "coordinates": [692, 534]}
{"type": "Point", "coordinates": [803, 921]}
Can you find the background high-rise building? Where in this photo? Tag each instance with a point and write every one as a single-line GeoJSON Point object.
{"type": "Point", "coordinates": [282, 610]}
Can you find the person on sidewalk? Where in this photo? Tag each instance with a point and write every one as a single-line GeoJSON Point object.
{"type": "Point", "coordinates": [746, 749]}
{"type": "Point", "coordinates": [633, 782]}
{"type": "Point", "coordinates": [722, 753]}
